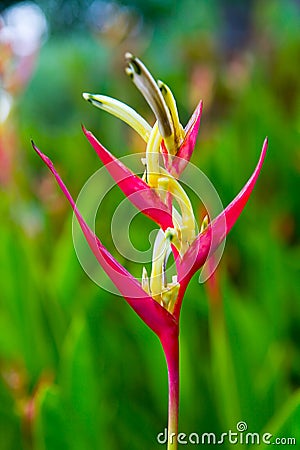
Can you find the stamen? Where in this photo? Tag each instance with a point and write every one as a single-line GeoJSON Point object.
{"type": "Point", "coordinates": [172, 235]}
{"type": "Point", "coordinates": [146, 84]}
{"type": "Point", "coordinates": [169, 296]}
{"type": "Point", "coordinates": [161, 251]}
{"type": "Point", "coordinates": [144, 176]}
{"type": "Point", "coordinates": [204, 224]}
{"type": "Point", "coordinates": [145, 281]}
{"type": "Point", "coordinates": [122, 111]}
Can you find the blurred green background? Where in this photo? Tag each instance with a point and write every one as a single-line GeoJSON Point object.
{"type": "Point", "coordinates": [78, 369]}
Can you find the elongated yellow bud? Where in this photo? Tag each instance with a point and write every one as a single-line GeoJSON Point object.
{"type": "Point", "coordinates": [152, 156]}
{"type": "Point", "coordinates": [172, 142]}
{"type": "Point", "coordinates": [122, 111]}
{"type": "Point", "coordinates": [146, 84]}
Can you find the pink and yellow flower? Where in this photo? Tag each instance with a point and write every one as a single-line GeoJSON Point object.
{"type": "Point", "coordinates": [169, 147]}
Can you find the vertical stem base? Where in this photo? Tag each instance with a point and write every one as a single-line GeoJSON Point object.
{"type": "Point", "coordinates": [170, 344]}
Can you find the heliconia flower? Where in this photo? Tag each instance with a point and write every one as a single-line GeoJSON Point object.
{"type": "Point", "coordinates": [157, 301]}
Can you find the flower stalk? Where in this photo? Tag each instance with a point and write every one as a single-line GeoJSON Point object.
{"type": "Point", "coordinates": [170, 344]}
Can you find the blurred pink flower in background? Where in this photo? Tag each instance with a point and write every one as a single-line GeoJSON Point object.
{"type": "Point", "coordinates": [23, 28]}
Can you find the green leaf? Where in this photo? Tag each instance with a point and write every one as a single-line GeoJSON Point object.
{"type": "Point", "coordinates": [51, 423]}
{"type": "Point", "coordinates": [80, 383]}
{"type": "Point", "coordinates": [284, 426]}
{"type": "Point", "coordinates": [10, 423]}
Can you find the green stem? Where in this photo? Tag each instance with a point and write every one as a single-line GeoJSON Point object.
{"type": "Point", "coordinates": [170, 345]}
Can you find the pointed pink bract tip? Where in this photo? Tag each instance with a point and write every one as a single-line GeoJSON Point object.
{"type": "Point", "coordinates": [208, 241]}
{"type": "Point", "coordinates": [45, 158]}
